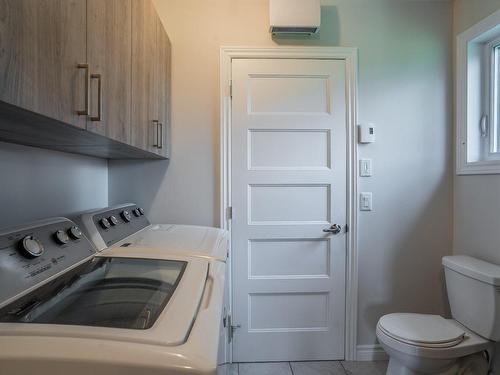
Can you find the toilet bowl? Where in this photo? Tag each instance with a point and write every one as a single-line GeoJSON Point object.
{"type": "Point", "coordinates": [429, 344]}
{"type": "Point", "coordinates": [420, 344]}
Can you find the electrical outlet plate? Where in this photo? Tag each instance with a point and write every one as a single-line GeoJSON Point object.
{"type": "Point", "coordinates": [365, 201]}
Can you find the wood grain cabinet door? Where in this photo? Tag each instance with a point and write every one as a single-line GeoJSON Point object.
{"type": "Point", "coordinates": [163, 69]}
{"type": "Point", "coordinates": [42, 43]}
{"type": "Point", "coordinates": [109, 54]}
{"type": "Point", "coordinates": [145, 120]}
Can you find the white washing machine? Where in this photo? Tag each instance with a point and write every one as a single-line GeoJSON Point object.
{"type": "Point", "coordinates": [126, 226]}
{"type": "Point", "coordinates": [65, 308]}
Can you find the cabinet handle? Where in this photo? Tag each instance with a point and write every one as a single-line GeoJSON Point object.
{"type": "Point", "coordinates": [161, 136]}
{"type": "Point", "coordinates": [99, 97]}
{"type": "Point", "coordinates": [157, 141]}
{"type": "Point", "coordinates": [85, 111]}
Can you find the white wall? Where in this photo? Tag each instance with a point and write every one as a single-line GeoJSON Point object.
{"type": "Point", "coordinates": [476, 198]}
{"type": "Point", "coordinates": [404, 87]}
{"type": "Point", "coordinates": [37, 183]}
{"type": "Point", "coordinates": [476, 230]}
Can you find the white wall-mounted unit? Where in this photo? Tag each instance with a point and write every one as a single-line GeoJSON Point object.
{"type": "Point", "coordinates": [294, 16]}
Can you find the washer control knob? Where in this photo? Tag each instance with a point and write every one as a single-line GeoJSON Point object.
{"type": "Point", "coordinates": [141, 210]}
{"type": "Point", "coordinates": [126, 216]}
{"type": "Point", "coordinates": [75, 232]}
{"type": "Point", "coordinates": [104, 223]}
{"type": "Point", "coordinates": [113, 220]}
{"type": "Point", "coordinates": [32, 246]}
{"type": "Point", "coordinates": [137, 213]}
{"type": "Point", "coordinates": [61, 237]}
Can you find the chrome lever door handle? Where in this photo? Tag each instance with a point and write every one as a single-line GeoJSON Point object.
{"type": "Point", "coordinates": [334, 229]}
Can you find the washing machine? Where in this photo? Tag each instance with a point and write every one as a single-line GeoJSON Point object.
{"type": "Point", "coordinates": [66, 307]}
{"type": "Point", "coordinates": [126, 226]}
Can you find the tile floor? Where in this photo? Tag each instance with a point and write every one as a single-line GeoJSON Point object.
{"type": "Point", "coordinates": [308, 368]}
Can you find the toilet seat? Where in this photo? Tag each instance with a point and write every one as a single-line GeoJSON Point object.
{"type": "Point", "coordinates": [423, 330]}
{"type": "Point", "coordinates": [471, 343]}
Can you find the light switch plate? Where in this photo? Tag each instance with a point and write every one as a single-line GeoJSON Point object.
{"type": "Point", "coordinates": [365, 201]}
{"type": "Point", "coordinates": [365, 167]}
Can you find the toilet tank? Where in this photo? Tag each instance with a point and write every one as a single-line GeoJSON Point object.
{"type": "Point", "coordinates": [473, 289]}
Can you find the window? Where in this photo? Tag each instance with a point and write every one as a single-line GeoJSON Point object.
{"type": "Point", "coordinates": [494, 79]}
{"type": "Point", "coordinates": [478, 98]}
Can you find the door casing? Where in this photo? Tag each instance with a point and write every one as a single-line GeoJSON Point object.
{"type": "Point", "coordinates": [350, 56]}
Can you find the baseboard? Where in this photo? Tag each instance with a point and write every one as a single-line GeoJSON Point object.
{"type": "Point", "coordinates": [370, 353]}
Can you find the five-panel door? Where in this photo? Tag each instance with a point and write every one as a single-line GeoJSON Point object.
{"type": "Point", "coordinates": [288, 181]}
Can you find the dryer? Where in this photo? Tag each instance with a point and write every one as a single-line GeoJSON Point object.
{"type": "Point", "coordinates": [67, 308]}
{"type": "Point", "coordinates": [126, 226]}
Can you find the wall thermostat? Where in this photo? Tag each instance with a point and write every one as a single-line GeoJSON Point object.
{"type": "Point", "coordinates": [366, 133]}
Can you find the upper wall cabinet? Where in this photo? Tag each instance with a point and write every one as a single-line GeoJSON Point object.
{"type": "Point", "coordinates": [42, 44]}
{"type": "Point", "coordinates": [109, 56]}
{"type": "Point", "coordinates": [102, 66]}
{"type": "Point", "coordinates": [145, 129]}
{"type": "Point", "coordinates": [150, 80]}
{"type": "Point", "coordinates": [163, 67]}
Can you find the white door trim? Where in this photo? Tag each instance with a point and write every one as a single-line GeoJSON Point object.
{"type": "Point", "coordinates": [350, 55]}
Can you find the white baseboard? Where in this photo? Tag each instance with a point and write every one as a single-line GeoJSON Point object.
{"type": "Point", "coordinates": [370, 353]}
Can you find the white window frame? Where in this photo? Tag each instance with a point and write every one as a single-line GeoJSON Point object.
{"type": "Point", "coordinates": [475, 58]}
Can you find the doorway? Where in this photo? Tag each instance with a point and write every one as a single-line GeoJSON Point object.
{"type": "Point", "coordinates": [289, 188]}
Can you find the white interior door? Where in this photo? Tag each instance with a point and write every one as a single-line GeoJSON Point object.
{"type": "Point", "coordinates": [288, 181]}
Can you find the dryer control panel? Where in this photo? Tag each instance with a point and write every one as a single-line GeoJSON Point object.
{"type": "Point", "coordinates": [31, 254]}
{"type": "Point", "coordinates": [116, 223]}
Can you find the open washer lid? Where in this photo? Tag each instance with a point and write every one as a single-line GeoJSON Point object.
{"type": "Point", "coordinates": [421, 330]}
{"type": "Point", "coordinates": [182, 239]}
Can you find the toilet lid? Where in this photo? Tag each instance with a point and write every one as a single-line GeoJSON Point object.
{"type": "Point", "coordinates": [421, 330]}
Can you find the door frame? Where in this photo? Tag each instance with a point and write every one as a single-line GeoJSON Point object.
{"type": "Point", "coordinates": [350, 56]}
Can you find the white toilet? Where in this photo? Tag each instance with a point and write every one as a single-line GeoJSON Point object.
{"type": "Point", "coordinates": [430, 344]}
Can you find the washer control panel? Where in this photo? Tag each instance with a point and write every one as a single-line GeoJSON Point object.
{"type": "Point", "coordinates": [31, 254]}
{"type": "Point", "coordinates": [116, 223]}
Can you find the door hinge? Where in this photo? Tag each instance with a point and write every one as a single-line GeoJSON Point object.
{"type": "Point", "coordinates": [229, 213]}
{"type": "Point", "coordinates": [231, 328]}
{"type": "Point", "coordinates": [347, 228]}
{"type": "Point", "coordinates": [231, 89]}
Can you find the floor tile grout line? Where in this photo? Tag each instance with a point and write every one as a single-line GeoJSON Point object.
{"type": "Point", "coordinates": [290, 365]}
{"type": "Point", "coordinates": [343, 367]}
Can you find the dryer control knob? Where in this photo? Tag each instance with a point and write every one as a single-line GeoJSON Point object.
{"type": "Point", "coordinates": [32, 246]}
{"type": "Point", "coordinates": [137, 213]}
{"type": "Point", "coordinates": [75, 232]}
{"type": "Point", "coordinates": [104, 223]}
{"type": "Point", "coordinates": [113, 220]}
{"type": "Point", "coordinates": [141, 210]}
{"type": "Point", "coordinates": [126, 216]}
{"type": "Point", "coordinates": [61, 237]}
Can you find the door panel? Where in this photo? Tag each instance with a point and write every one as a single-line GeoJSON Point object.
{"type": "Point", "coordinates": [288, 204]}
{"type": "Point", "coordinates": [42, 43]}
{"type": "Point", "coordinates": [288, 171]}
{"type": "Point", "coordinates": [288, 258]}
{"type": "Point", "coordinates": [289, 149]}
{"type": "Point", "coordinates": [305, 93]}
{"type": "Point", "coordinates": [109, 52]}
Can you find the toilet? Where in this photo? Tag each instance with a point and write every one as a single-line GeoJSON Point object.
{"type": "Point", "coordinates": [430, 344]}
